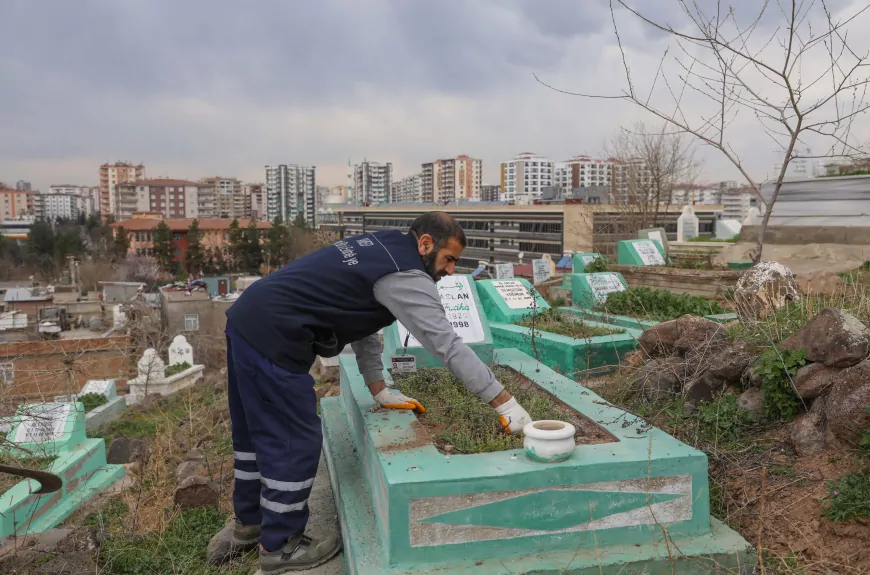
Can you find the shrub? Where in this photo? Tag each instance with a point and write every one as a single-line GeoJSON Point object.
{"type": "Point", "coordinates": [777, 368]}
{"type": "Point", "coordinates": [92, 400]}
{"type": "Point", "coordinates": [598, 265]}
{"type": "Point", "coordinates": [177, 368]}
{"type": "Point", "coordinates": [849, 498]}
{"type": "Point", "coordinates": [660, 305]}
{"type": "Point", "coordinates": [723, 420]}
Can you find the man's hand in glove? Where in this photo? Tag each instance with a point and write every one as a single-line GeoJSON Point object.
{"type": "Point", "coordinates": [394, 399]}
{"type": "Point", "coordinates": [513, 417]}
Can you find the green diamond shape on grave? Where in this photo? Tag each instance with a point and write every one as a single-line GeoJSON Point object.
{"type": "Point", "coordinates": [551, 510]}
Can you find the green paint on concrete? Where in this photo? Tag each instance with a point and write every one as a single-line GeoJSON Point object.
{"type": "Point", "coordinates": [509, 300]}
{"type": "Point", "coordinates": [657, 234]}
{"type": "Point", "coordinates": [81, 464]}
{"type": "Point", "coordinates": [578, 265]}
{"type": "Point", "coordinates": [465, 314]}
{"type": "Point", "coordinates": [567, 355]}
{"type": "Point", "coordinates": [609, 318]}
{"type": "Point", "coordinates": [550, 510]}
{"type": "Point", "coordinates": [589, 290]}
{"type": "Point", "coordinates": [722, 317]}
{"type": "Point", "coordinates": [388, 484]}
{"type": "Point", "coordinates": [640, 253]}
{"type": "Point", "coordinates": [739, 265]}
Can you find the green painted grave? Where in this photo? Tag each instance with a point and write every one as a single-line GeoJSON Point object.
{"type": "Point", "coordinates": [464, 311]}
{"type": "Point", "coordinates": [589, 290]}
{"type": "Point", "coordinates": [609, 318]}
{"type": "Point", "coordinates": [569, 356]}
{"type": "Point", "coordinates": [406, 508]}
{"type": "Point", "coordinates": [509, 300]}
{"type": "Point", "coordinates": [579, 263]}
{"type": "Point", "coordinates": [640, 253]}
{"type": "Point", "coordinates": [657, 234]}
{"type": "Point", "coordinates": [54, 430]}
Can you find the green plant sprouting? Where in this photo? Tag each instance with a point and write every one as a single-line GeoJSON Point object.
{"type": "Point", "coordinates": [659, 305]}
{"type": "Point", "coordinates": [777, 369]}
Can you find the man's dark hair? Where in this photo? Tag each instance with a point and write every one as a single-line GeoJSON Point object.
{"type": "Point", "coordinates": [440, 226]}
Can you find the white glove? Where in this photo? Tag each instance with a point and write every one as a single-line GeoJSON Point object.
{"type": "Point", "coordinates": [513, 417]}
{"type": "Point", "coordinates": [394, 399]}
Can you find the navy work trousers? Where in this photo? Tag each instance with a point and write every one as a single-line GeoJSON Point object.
{"type": "Point", "coordinates": [277, 440]}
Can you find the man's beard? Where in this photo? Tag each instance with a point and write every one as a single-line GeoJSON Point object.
{"type": "Point", "coordinates": [429, 264]}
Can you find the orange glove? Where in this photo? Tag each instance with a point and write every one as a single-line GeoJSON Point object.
{"type": "Point", "coordinates": [394, 399]}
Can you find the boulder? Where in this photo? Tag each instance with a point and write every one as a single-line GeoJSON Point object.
{"type": "Point", "coordinates": [695, 332]}
{"type": "Point", "coordinates": [821, 283]}
{"type": "Point", "coordinates": [659, 340]}
{"type": "Point", "coordinates": [763, 289]}
{"type": "Point", "coordinates": [833, 337]}
{"type": "Point", "coordinates": [752, 401]}
{"type": "Point", "coordinates": [754, 378]}
{"type": "Point", "coordinates": [725, 364]}
{"type": "Point", "coordinates": [808, 434]}
{"type": "Point", "coordinates": [700, 389]}
{"type": "Point", "coordinates": [195, 491]}
{"type": "Point", "coordinates": [845, 403]}
{"type": "Point", "coordinates": [812, 380]}
{"type": "Point", "coordinates": [661, 378]}
{"type": "Point", "coordinates": [125, 450]}
{"type": "Point", "coordinates": [188, 469]}
{"type": "Point", "coordinates": [194, 455]}
{"type": "Point", "coordinates": [634, 359]}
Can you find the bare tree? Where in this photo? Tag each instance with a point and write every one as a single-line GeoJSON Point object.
{"type": "Point", "coordinates": [790, 66]}
{"type": "Point", "coordinates": [647, 166]}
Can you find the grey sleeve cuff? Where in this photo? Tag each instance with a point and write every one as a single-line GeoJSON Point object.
{"type": "Point", "coordinates": [368, 358]}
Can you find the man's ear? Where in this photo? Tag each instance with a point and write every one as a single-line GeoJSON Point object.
{"type": "Point", "coordinates": [425, 244]}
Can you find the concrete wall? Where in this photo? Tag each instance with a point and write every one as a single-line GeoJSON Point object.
{"type": "Point", "coordinates": [802, 235]}
{"type": "Point", "coordinates": [706, 283]}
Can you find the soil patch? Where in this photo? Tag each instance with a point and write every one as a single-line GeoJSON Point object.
{"type": "Point", "coordinates": [456, 421]}
{"type": "Point", "coordinates": [562, 324]}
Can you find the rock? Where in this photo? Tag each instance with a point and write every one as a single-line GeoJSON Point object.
{"type": "Point", "coordinates": [813, 379]}
{"type": "Point", "coordinates": [844, 409]}
{"type": "Point", "coordinates": [126, 450]}
{"type": "Point", "coordinates": [195, 455]}
{"type": "Point", "coordinates": [195, 492]}
{"type": "Point", "coordinates": [634, 358]}
{"type": "Point", "coordinates": [189, 469]}
{"type": "Point", "coordinates": [821, 283]}
{"type": "Point", "coordinates": [763, 289]}
{"type": "Point", "coordinates": [697, 332]}
{"type": "Point", "coordinates": [755, 379]}
{"type": "Point", "coordinates": [833, 337]}
{"type": "Point", "coordinates": [727, 364]}
{"type": "Point", "coordinates": [661, 378]}
{"type": "Point", "coordinates": [329, 376]}
{"type": "Point", "coordinates": [659, 340]}
{"type": "Point", "coordinates": [752, 401]}
{"type": "Point", "coordinates": [698, 390]}
{"type": "Point", "coordinates": [808, 434]}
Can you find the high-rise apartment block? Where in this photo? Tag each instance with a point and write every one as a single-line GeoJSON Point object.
{"type": "Point", "coordinates": [64, 202]}
{"type": "Point", "coordinates": [291, 190]}
{"type": "Point", "coordinates": [16, 204]}
{"type": "Point", "coordinates": [256, 198]}
{"type": "Point", "coordinates": [525, 177]}
{"type": "Point", "coordinates": [175, 199]}
{"type": "Point", "coordinates": [112, 175]}
{"type": "Point", "coordinates": [22, 185]}
{"type": "Point", "coordinates": [490, 193]}
{"type": "Point", "coordinates": [632, 182]}
{"type": "Point", "coordinates": [229, 198]}
{"type": "Point", "coordinates": [452, 179]}
{"type": "Point", "coordinates": [408, 190]}
{"type": "Point", "coordinates": [583, 172]}
{"type": "Point", "coordinates": [372, 182]}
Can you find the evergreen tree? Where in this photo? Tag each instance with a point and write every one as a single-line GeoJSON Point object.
{"type": "Point", "coordinates": [163, 249]}
{"type": "Point", "coordinates": [253, 254]}
{"type": "Point", "coordinates": [237, 245]}
{"type": "Point", "coordinates": [300, 221]}
{"type": "Point", "coordinates": [274, 248]}
{"type": "Point", "coordinates": [195, 252]}
{"type": "Point", "coordinates": [121, 244]}
{"type": "Point", "coordinates": [41, 240]}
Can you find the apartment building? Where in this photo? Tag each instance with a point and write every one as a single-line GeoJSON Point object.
{"type": "Point", "coordinates": [504, 233]}
{"type": "Point", "coordinates": [111, 176]}
{"type": "Point", "coordinates": [229, 198]}
{"type": "Point", "coordinates": [17, 204]}
{"type": "Point", "coordinates": [583, 172]}
{"type": "Point", "coordinates": [452, 179]}
{"type": "Point", "coordinates": [63, 202]}
{"type": "Point", "coordinates": [524, 177]}
{"type": "Point", "coordinates": [291, 189]}
{"type": "Point", "coordinates": [256, 198]}
{"type": "Point", "coordinates": [408, 190]}
{"type": "Point", "coordinates": [372, 182]}
{"type": "Point", "coordinates": [632, 180]}
{"type": "Point", "coordinates": [690, 194]}
{"type": "Point", "coordinates": [170, 197]}
{"type": "Point", "coordinates": [490, 193]}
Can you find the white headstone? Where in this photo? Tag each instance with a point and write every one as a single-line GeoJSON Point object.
{"type": "Point", "coordinates": [105, 387]}
{"type": "Point", "coordinates": [515, 294]}
{"type": "Point", "coordinates": [151, 367]}
{"type": "Point", "coordinates": [180, 351]}
{"type": "Point", "coordinates": [540, 271]}
{"type": "Point", "coordinates": [587, 259]}
{"type": "Point", "coordinates": [504, 271]}
{"type": "Point", "coordinates": [461, 309]}
{"type": "Point", "coordinates": [657, 236]}
{"type": "Point", "coordinates": [753, 217]}
{"type": "Point", "coordinates": [603, 284]}
{"type": "Point", "coordinates": [43, 422]}
{"type": "Point", "coordinates": [119, 319]}
{"type": "Point", "coordinates": [552, 265]}
{"type": "Point", "coordinates": [687, 225]}
{"type": "Point", "coordinates": [648, 253]}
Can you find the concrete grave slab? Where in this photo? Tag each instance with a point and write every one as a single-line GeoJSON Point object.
{"type": "Point", "coordinates": [509, 300]}
{"type": "Point", "coordinates": [406, 508]}
{"type": "Point", "coordinates": [640, 253]}
{"type": "Point", "coordinates": [590, 290]}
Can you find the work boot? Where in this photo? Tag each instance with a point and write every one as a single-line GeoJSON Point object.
{"type": "Point", "coordinates": [232, 541]}
{"type": "Point", "coordinates": [299, 553]}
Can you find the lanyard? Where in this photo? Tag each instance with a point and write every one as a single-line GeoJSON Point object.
{"type": "Point", "coordinates": [407, 337]}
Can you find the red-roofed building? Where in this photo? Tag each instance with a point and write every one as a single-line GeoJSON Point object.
{"type": "Point", "coordinates": [175, 199]}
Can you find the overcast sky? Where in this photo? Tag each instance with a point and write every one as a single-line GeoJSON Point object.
{"type": "Point", "coordinates": [219, 87]}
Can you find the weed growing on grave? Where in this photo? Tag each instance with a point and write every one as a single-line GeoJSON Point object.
{"type": "Point", "coordinates": [777, 370]}
{"type": "Point", "coordinates": [91, 401]}
{"type": "Point", "coordinates": [659, 305]}
{"type": "Point", "coordinates": [722, 421]}
{"type": "Point", "coordinates": [598, 265]}
{"type": "Point", "coordinates": [177, 368]}
{"type": "Point", "coordinates": [849, 498]}
{"type": "Point", "coordinates": [552, 321]}
{"type": "Point", "coordinates": [864, 440]}
{"type": "Point", "coordinates": [458, 418]}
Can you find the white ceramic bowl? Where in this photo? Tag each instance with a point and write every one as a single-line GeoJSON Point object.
{"type": "Point", "coordinates": [548, 441]}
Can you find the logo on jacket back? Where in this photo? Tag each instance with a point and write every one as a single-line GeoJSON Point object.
{"type": "Point", "coordinates": [346, 252]}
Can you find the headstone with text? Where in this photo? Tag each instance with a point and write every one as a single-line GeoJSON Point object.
{"type": "Point", "coordinates": [46, 428]}
{"type": "Point", "coordinates": [180, 351]}
{"type": "Point", "coordinates": [540, 271]}
{"type": "Point", "coordinates": [590, 290]}
{"type": "Point", "coordinates": [510, 301]}
{"type": "Point", "coordinates": [640, 253]}
{"type": "Point", "coordinates": [656, 234]}
{"type": "Point", "coordinates": [459, 297]}
{"type": "Point", "coordinates": [504, 271]}
{"type": "Point", "coordinates": [578, 264]}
